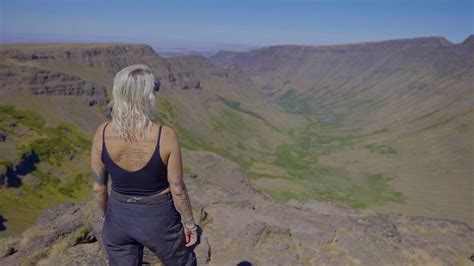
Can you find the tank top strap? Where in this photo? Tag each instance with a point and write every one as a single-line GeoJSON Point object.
{"type": "Point", "coordinates": [103, 134]}
{"type": "Point", "coordinates": [159, 136]}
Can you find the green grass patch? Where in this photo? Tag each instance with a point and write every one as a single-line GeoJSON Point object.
{"type": "Point", "coordinates": [55, 147]}
{"type": "Point", "coordinates": [57, 143]}
{"type": "Point", "coordinates": [288, 100]}
{"type": "Point", "coordinates": [381, 149]}
{"type": "Point", "coordinates": [230, 121]}
{"type": "Point", "coordinates": [235, 105]}
{"type": "Point", "coordinates": [167, 116]}
{"type": "Point", "coordinates": [300, 159]}
{"type": "Point", "coordinates": [310, 106]}
{"type": "Point", "coordinates": [187, 170]}
{"type": "Point", "coordinates": [375, 190]}
{"type": "Point", "coordinates": [74, 187]}
{"type": "Point", "coordinates": [9, 113]}
{"type": "Point", "coordinates": [281, 196]}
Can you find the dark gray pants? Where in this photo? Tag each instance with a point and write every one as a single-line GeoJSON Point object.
{"type": "Point", "coordinates": [153, 222]}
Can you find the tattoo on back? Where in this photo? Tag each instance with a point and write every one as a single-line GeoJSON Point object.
{"type": "Point", "coordinates": [133, 157]}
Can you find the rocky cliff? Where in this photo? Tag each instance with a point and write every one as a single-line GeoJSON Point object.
{"type": "Point", "coordinates": [112, 57]}
{"type": "Point", "coordinates": [185, 72]}
{"type": "Point", "coordinates": [40, 81]}
{"type": "Point", "coordinates": [243, 225]}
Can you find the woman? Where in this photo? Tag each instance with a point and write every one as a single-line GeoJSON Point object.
{"type": "Point", "coordinates": [145, 165]}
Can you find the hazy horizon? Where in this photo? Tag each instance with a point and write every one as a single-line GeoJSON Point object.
{"type": "Point", "coordinates": [213, 25]}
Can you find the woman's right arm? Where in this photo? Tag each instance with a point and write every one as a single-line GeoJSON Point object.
{"type": "Point", "coordinates": [175, 179]}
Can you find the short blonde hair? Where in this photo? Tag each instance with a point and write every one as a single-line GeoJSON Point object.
{"type": "Point", "coordinates": [133, 100]}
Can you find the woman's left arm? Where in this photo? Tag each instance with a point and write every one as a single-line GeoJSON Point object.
{"type": "Point", "coordinates": [99, 172]}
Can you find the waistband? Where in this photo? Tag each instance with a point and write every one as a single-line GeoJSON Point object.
{"type": "Point", "coordinates": [141, 200]}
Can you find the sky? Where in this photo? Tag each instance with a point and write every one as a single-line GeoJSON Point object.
{"type": "Point", "coordinates": [238, 23]}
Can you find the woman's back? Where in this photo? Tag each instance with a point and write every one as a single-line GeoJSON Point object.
{"type": "Point", "coordinates": [137, 168]}
{"type": "Point", "coordinates": [145, 165]}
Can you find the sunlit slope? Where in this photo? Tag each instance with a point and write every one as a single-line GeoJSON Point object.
{"type": "Point", "coordinates": [396, 116]}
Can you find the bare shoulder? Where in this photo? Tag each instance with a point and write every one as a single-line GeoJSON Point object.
{"type": "Point", "coordinates": [99, 130]}
{"type": "Point", "coordinates": [169, 136]}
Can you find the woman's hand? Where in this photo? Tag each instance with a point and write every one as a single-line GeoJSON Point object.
{"type": "Point", "coordinates": [191, 236]}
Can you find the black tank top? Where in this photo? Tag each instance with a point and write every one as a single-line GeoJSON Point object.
{"type": "Point", "coordinates": [148, 180]}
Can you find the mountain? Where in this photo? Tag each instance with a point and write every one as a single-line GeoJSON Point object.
{"type": "Point", "coordinates": [384, 126]}
{"type": "Point", "coordinates": [398, 109]}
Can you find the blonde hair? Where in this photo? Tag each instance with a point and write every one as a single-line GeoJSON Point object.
{"type": "Point", "coordinates": [133, 100]}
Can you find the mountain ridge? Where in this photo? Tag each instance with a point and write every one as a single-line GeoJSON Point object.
{"type": "Point", "coordinates": [426, 41]}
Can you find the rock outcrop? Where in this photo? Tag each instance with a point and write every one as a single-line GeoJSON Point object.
{"type": "Point", "coordinates": [215, 169]}
{"type": "Point", "coordinates": [242, 225]}
{"type": "Point", "coordinates": [45, 82]}
{"type": "Point", "coordinates": [183, 72]}
{"type": "Point", "coordinates": [112, 57]}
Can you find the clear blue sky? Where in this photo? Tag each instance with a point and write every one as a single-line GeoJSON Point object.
{"type": "Point", "coordinates": [195, 23]}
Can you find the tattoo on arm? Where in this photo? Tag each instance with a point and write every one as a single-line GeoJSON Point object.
{"type": "Point", "coordinates": [101, 194]}
{"type": "Point", "coordinates": [176, 182]}
{"type": "Point", "coordinates": [101, 177]}
{"type": "Point", "coordinates": [181, 201]}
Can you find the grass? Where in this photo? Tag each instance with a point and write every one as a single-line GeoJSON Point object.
{"type": "Point", "coordinates": [75, 237]}
{"type": "Point", "coordinates": [231, 122]}
{"type": "Point", "coordinates": [35, 256]}
{"type": "Point", "coordinates": [289, 103]}
{"type": "Point", "coordinates": [56, 143]}
{"type": "Point", "coordinates": [73, 187]}
{"type": "Point", "coordinates": [380, 148]}
{"type": "Point", "coordinates": [235, 105]}
{"type": "Point", "coordinates": [309, 106]}
{"type": "Point", "coordinates": [167, 116]}
{"type": "Point", "coordinates": [187, 170]}
{"type": "Point", "coordinates": [300, 159]}
{"type": "Point", "coordinates": [9, 113]}
{"type": "Point", "coordinates": [59, 174]}
{"type": "Point", "coordinates": [280, 196]}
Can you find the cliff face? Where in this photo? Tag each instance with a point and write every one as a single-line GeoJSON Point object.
{"type": "Point", "coordinates": [111, 57]}
{"type": "Point", "coordinates": [45, 82]}
{"type": "Point", "coordinates": [184, 72]}
{"type": "Point", "coordinates": [243, 225]}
